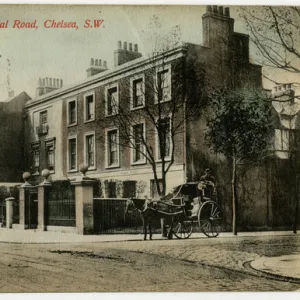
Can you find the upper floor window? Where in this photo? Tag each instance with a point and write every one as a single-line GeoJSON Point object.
{"type": "Point", "coordinates": [72, 112]}
{"type": "Point", "coordinates": [43, 127]}
{"type": "Point", "coordinates": [112, 101]}
{"type": "Point", "coordinates": [50, 157]}
{"type": "Point", "coordinates": [90, 150]}
{"type": "Point", "coordinates": [72, 154]}
{"type": "Point", "coordinates": [112, 147]}
{"type": "Point", "coordinates": [89, 107]}
{"type": "Point", "coordinates": [36, 160]}
{"type": "Point", "coordinates": [282, 139]}
{"type": "Point", "coordinates": [164, 138]}
{"type": "Point", "coordinates": [163, 81]}
{"type": "Point", "coordinates": [138, 143]}
{"type": "Point", "coordinates": [137, 92]}
{"type": "Point", "coordinates": [43, 117]}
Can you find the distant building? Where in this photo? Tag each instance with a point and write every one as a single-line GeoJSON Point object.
{"type": "Point", "coordinates": [288, 110]}
{"type": "Point", "coordinates": [12, 164]}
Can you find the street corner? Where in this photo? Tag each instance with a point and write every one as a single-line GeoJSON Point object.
{"type": "Point", "coordinates": [286, 266]}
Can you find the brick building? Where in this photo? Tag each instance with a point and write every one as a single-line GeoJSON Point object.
{"type": "Point", "coordinates": [66, 127]}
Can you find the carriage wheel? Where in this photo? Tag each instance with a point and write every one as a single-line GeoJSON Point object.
{"type": "Point", "coordinates": [209, 218]}
{"type": "Point", "coordinates": [182, 228]}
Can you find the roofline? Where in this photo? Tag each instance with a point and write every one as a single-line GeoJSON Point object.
{"type": "Point", "coordinates": [106, 75]}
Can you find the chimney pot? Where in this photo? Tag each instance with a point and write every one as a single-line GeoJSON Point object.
{"type": "Point", "coordinates": [50, 81]}
{"type": "Point", "coordinates": [215, 8]}
{"type": "Point", "coordinates": [92, 61]}
{"type": "Point", "coordinates": [130, 46]}
{"type": "Point", "coordinates": [104, 64]}
{"type": "Point", "coordinates": [54, 82]}
{"type": "Point", "coordinates": [135, 47]}
{"type": "Point", "coordinates": [119, 45]}
{"type": "Point", "coordinates": [96, 62]}
{"type": "Point", "coordinates": [221, 10]}
{"type": "Point", "coordinates": [208, 8]}
{"type": "Point", "coordinates": [47, 84]}
{"type": "Point", "coordinates": [61, 83]}
{"type": "Point", "coordinates": [227, 12]}
{"type": "Point", "coordinates": [57, 82]}
{"type": "Point", "coordinates": [125, 45]}
{"type": "Point", "coordinates": [100, 63]}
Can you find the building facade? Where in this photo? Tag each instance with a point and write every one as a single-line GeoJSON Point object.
{"type": "Point", "coordinates": [66, 127]}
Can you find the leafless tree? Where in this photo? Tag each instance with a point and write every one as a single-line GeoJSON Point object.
{"type": "Point", "coordinates": [153, 107]}
{"type": "Point", "coordinates": [275, 31]}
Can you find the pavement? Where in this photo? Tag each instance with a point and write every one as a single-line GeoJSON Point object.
{"type": "Point", "coordinates": [287, 266]}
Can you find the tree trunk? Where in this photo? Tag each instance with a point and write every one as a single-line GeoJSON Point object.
{"type": "Point", "coordinates": [234, 197]}
{"type": "Point", "coordinates": [163, 223]}
{"type": "Point", "coordinates": [296, 199]}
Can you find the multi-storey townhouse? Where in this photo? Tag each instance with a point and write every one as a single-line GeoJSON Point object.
{"type": "Point", "coordinates": [77, 125]}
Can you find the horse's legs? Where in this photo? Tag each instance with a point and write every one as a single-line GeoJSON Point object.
{"type": "Point", "coordinates": [145, 227]}
{"type": "Point", "coordinates": [170, 233]}
{"type": "Point", "coordinates": [150, 228]}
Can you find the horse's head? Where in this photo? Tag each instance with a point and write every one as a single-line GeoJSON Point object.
{"type": "Point", "coordinates": [129, 206]}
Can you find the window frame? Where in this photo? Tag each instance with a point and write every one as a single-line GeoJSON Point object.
{"type": "Point", "coordinates": [36, 149]}
{"type": "Point", "coordinates": [43, 112]}
{"type": "Point", "coordinates": [50, 143]}
{"type": "Point", "coordinates": [133, 150]}
{"type": "Point", "coordinates": [161, 69]}
{"type": "Point", "coordinates": [73, 137]}
{"type": "Point", "coordinates": [69, 101]}
{"type": "Point", "coordinates": [86, 135]}
{"type": "Point", "coordinates": [132, 91]}
{"type": "Point", "coordinates": [85, 111]}
{"type": "Point", "coordinates": [158, 156]}
{"type": "Point", "coordinates": [107, 157]}
{"type": "Point", "coordinates": [107, 88]}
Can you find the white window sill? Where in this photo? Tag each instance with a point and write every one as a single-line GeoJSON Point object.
{"type": "Point", "coordinates": [167, 159]}
{"type": "Point", "coordinates": [163, 101]}
{"type": "Point", "coordinates": [137, 107]}
{"type": "Point", "coordinates": [113, 166]}
{"type": "Point", "coordinates": [140, 162]}
{"type": "Point", "coordinates": [111, 115]}
{"type": "Point", "coordinates": [72, 171]}
{"type": "Point", "coordinates": [92, 168]}
{"type": "Point", "coordinates": [72, 125]}
{"type": "Point", "coordinates": [88, 121]}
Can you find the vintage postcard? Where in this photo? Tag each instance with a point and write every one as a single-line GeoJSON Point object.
{"type": "Point", "coordinates": [149, 148]}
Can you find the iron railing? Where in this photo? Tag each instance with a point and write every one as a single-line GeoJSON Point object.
{"type": "Point", "coordinates": [61, 212]}
{"type": "Point", "coordinates": [110, 218]}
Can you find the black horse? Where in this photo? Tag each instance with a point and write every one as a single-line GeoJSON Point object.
{"type": "Point", "coordinates": [151, 210]}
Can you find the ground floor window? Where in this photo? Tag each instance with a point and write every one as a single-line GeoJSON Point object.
{"type": "Point", "coordinates": [129, 189]}
{"type": "Point", "coordinates": [111, 189]}
{"type": "Point", "coordinates": [153, 188]}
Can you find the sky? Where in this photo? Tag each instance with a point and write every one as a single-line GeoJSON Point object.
{"type": "Point", "coordinates": [66, 53]}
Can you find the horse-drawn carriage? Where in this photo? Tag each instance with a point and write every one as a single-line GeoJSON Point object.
{"type": "Point", "coordinates": [185, 207]}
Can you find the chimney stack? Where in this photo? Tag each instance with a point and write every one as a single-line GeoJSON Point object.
{"type": "Point", "coordinates": [97, 66]}
{"type": "Point", "coordinates": [122, 56]}
{"type": "Point", "coordinates": [217, 26]}
{"type": "Point", "coordinates": [47, 85]}
{"type": "Point", "coordinates": [227, 12]}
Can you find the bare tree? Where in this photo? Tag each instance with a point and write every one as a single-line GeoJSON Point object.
{"type": "Point", "coordinates": [275, 31]}
{"type": "Point", "coordinates": [151, 118]}
{"type": "Point", "coordinates": [153, 107]}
